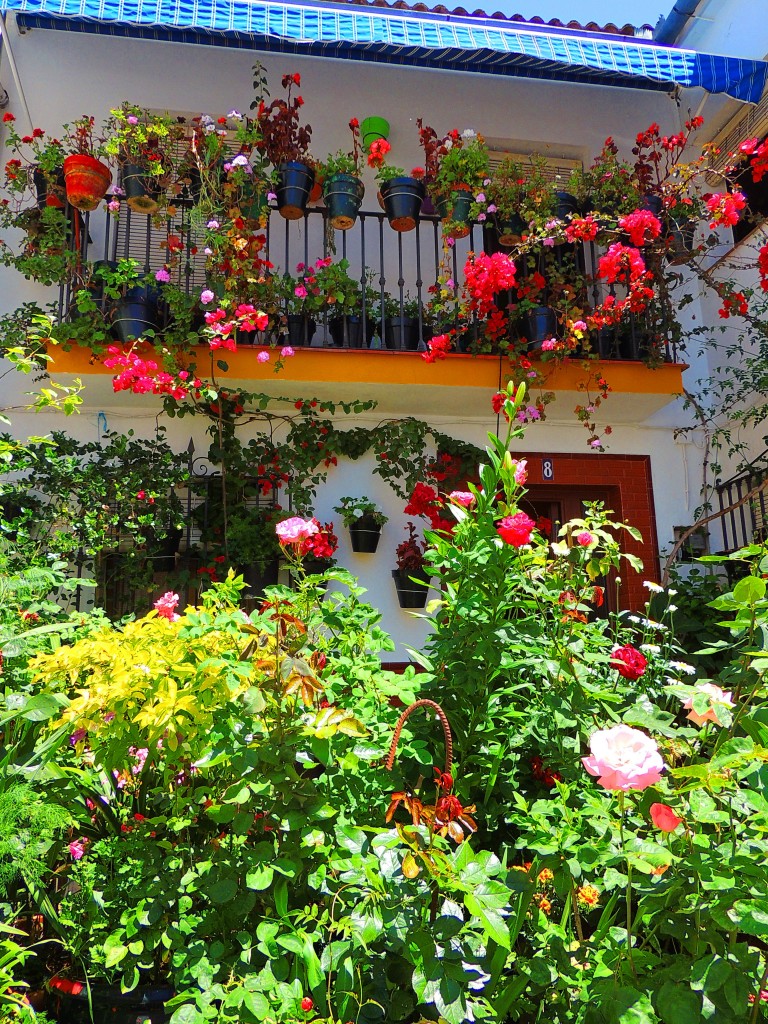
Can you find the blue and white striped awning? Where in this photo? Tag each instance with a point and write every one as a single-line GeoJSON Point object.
{"type": "Point", "coordinates": [420, 38]}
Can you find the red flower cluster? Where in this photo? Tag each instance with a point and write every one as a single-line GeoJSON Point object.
{"type": "Point", "coordinates": [725, 207]}
{"type": "Point", "coordinates": [516, 530]}
{"type": "Point", "coordinates": [641, 226]}
{"type": "Point", "coordinates": [629, 662]}
{"type": "Point", "coordinates": [225, 325]}
{"type": "Point", "coordinates": [437, 347]}
{"type": "Point", "coordinates": [762, 266]}
{"type": "Point", "coordinates": [485, 276]}
{"type": "Point", "coordinates": [582, 229]}
{"type": "Point", "coordinates": [322, 544]}
{"type": "Point", "coordinates": [544, 774]}
{"type": "Point", "coordinates": [425, 501]}
{"type": "Point", "coordinates": [621, 263]}
{"type": "Point", "coordinates": [377, 153]}
{"type": "Point", "coordinates": [734, 304]}
{"type": "Point", "coordinates": [142, 376]}
{"type": "Point", "coordinates": [758, 151]}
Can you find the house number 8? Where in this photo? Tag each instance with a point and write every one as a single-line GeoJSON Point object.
{"type": "Point", "coordinates": [548, 469]}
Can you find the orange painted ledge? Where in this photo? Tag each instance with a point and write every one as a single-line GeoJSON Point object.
{"type": "Point", "coordinates": [360, 366]}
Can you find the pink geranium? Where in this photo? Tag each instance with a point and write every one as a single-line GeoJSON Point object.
{"type": "Point", "coordinates": [77, 849]}
{"type": "Point", "coordinates": [623, 758]}
{"type": "Point", "coordinates": [295, 530]}
{"type": "Point", "coordinates": [716, 697]}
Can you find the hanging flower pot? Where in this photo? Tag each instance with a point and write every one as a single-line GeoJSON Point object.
{"type": "Point", "coordinates": [539, 324]}
{"type": "Point", "coordinates": [402, 332]}
{"type": "Point", "coordinates": [294, 185]}
{"type": "Point", "coordinates": [49, 193]}
{"type": "Point", "coordinates": [652, 203]}
{"type": "Point", "coordinates": [412, 586]}
{"type": "Point", "coordinates": [87, 180]}
{"type": "Point", "coordinates": [301, 330]}
{"type": "Point", "coordinates": [343, 194]}
{"type": "Point", "coordinates": [352, 331]}
{"type": "Point", "coordinates": [316, 193]}
{"type": "Point", "coordinates": [373, 128]}
{"type": "Point", "coordinates": [142, 190]}
{"type": "Point", "coordinates": [402, 198]}
{"type": "Point", "coordinates": [365, 534]}
{"type": "Point", "coordinates": [454, 213]}
{"type": "Point", "coordinates": [510, 230]}
{"type": "Point", "coordinates": [680, 240]}
{"type": "Point", "coordinates": [135, 314]}
{"type": "Point", "coordinates": [566, 205]}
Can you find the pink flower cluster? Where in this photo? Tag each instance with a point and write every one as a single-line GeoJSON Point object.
{"type": "Point", "coordinates": [295, 531]}
{"type": "Point", "coordinates": [621, 263]}
{"type": "Point", "coordinates": [725, 207]}
{"type": "Point", "coordinates": [437, 348]}
{"type": "Point", "coordinates": [641, 226]}
{"type": "Point", "coordinates": [165, 606]}
{"type": "Point", "coordinates": [485, 276]}
{"type": "Point", "coordinates": [224, 325]}
{"type": "Point", "coordinates": [143, 376]}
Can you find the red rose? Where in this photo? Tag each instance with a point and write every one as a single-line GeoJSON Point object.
{"type": "Point", "coordinates": [306, 1004]}
{"type": "Point", "coordinates": [515, 530]}
{"type": "Point", "coordinates": [629, 662]}
{"type": "Point", "coordinates": [8, 116]}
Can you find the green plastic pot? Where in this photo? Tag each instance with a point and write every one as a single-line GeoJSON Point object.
{"type": "Point", "coordinates": [374, 128]}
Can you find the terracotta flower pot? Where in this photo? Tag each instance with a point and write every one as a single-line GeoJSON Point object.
{"type": "Point", "coordinates": [87, 180]}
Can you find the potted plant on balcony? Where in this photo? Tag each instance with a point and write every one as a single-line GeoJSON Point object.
{"type": "Point", "coordinates": [456, 170]}
{"type": "Point", "coordinates": [285, 143]}
{"type": "Point", "coordinates": [608, 186]}
{"type": "Point", "coordinates": [86, 177]}
{"type": "Point", "coordinates": [33, 203]}
{"type": "Point", "coordinates": [149, 149]}
{"type": "Point", "coordinates": [232, 175]}
{"type": "Point", "coordinates": [411, 575]}
{"type": "Point", "coordinates": [364, 521]}
{"type": "Point", "coordinates": [253, 545]}
{"type": "Point", "coordinates": [502, 202]}
{"type": "Point", "coordinates": [343, 189]}
{"type": "Point", "coordinates": [349, 324]}
{"type": "Point", "coordinates": [401, 194]}
{"type": "Point", "coordinates": [399, 322]}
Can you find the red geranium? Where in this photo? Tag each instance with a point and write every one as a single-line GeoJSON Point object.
{"type": "Point", "coordinates": [516, 530]}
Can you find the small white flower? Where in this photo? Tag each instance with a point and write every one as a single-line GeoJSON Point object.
{"type": "Point", "coordinates": [683, 666]}
{"type": "Point", "coordinates": [653, 587]}
{"type": "Point", "coordinates": [650, 648]}
{"type": "Point", "coordinates": [672, 608]}
{"type": "Point", "coordinates": [672, 593]}
{"type": "Point", "coordinates": [469, 133]}
{"type": "Point", "coordinates": [235, 114]}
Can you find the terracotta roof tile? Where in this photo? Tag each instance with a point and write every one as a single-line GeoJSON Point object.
{"type": "Point", "coordinates": [576, 26]}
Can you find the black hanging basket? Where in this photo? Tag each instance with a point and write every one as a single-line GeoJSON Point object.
{"type": "Point", "coordinates": [295, 181]}
{"type": "Point", "coordinates": [352, 331]}
{"type": "Point", "coordinates": [510, 230]}
{"type": "Point", "coordinates": [412, 586]}
{"type": "Point", "coordinates": [301, 330]}
{"type": "Point", "coordinates": [142, 190]}
{"type": "Point", "coordinates": [402, 198]}
{"type": "Point", "coordinates": [135, 314]}
{"type": "Point", "coordinates": [365, 534]}
{"type": "Point", "coordinates": [343, 195]}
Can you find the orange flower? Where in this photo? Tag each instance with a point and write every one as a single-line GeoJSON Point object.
{"type": "Point", "coordinates": [588, 896]}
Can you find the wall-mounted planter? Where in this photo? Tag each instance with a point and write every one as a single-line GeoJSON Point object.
{"type": "Point", "coordinates": [412, 586]}
{"type": "Point", "coordinates": [343, 195]}
{"type": "Point", "coordinates": [373, 128]}
{"type": "Point", "coordinates": [402, 199]}
{"type": "Point", "coordinates": [365, 534]}
{"type": "Point", "coordinates": [295, 183]}
{"type": "Point", "coordinates": [87, 180]}
{"type": "Point", "coordinates": [454, 213]}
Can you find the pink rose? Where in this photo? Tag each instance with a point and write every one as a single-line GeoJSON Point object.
{"type": "Point", "coordinates": [629, 662]}
{"type": "Point", "coordinates": [463, 498]}
{"type": "Point", "coordinates": [623, 758]}
{"type": "Point", "coordinates": [516, 530]}
{"type": "Point", "coordinates": [664, 818]}
{"type": "Point", "coordinates": [295, 530]}
{"type": "Point", "coordinates": [717, 696]}
{"type": "Point", "coordinates": [165, 606]}
{"type": "Point", "coordinates": [585, 538]}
